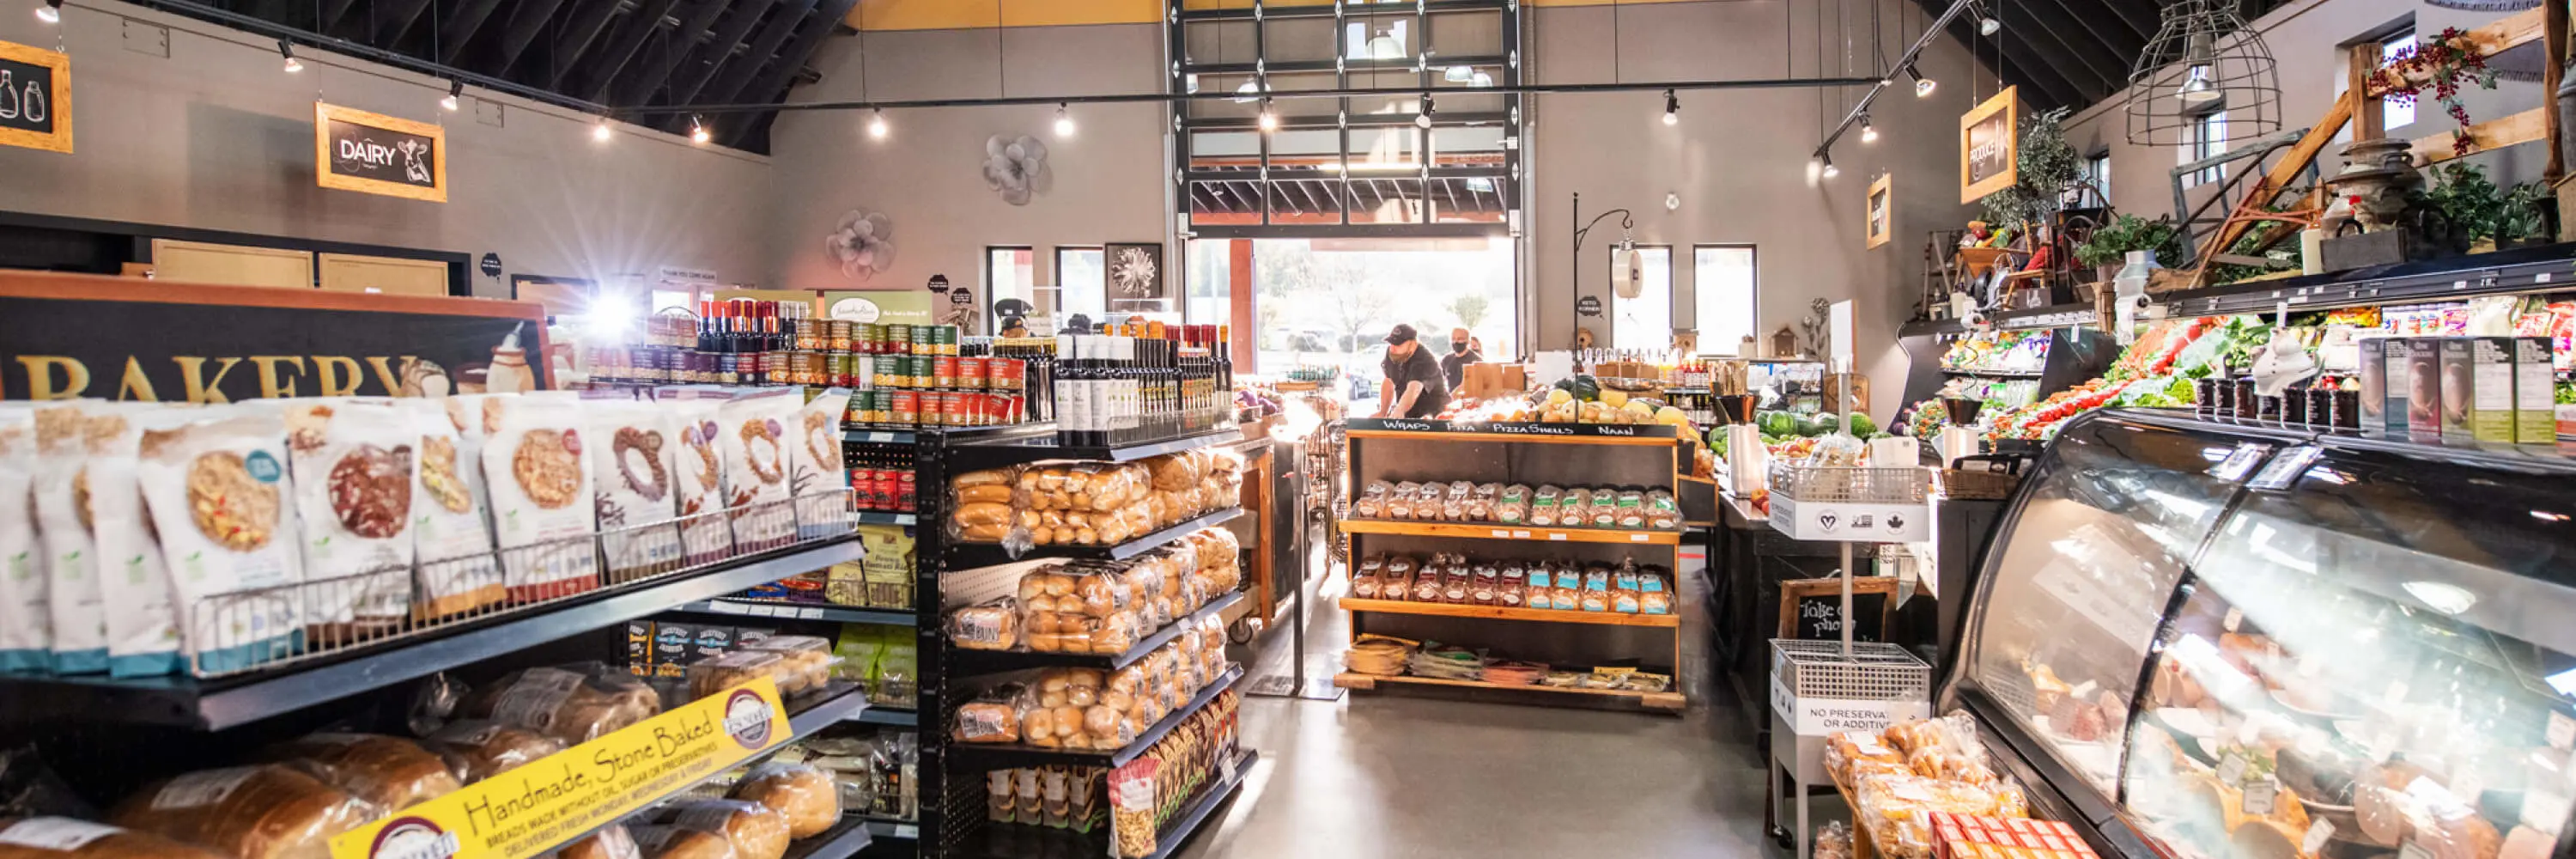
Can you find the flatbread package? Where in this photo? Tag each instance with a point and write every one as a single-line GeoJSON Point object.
{"type": "Point", "coordinates": [755, 440]}
{"type": "Point", "coordinates": [631, 470]}
{"type": "Point", "coordinates": [541, 495]}
{"type": "Point", "coordinates": [72, 594]}
{"type": "Point", "coordinates": [26, 619]}
{"type": "Point", "coordinates": [449, 536]}
{"type": "Point", "coordinates": [355, 480]}
{"type": "Point", "coordinates": [698, 476]}
{"type": "Point", "coordinates": [219, 495]}
{"type": "Point", "coordinates": [143, 630]}
{"type": "Point", "coordinates": [819, 479]}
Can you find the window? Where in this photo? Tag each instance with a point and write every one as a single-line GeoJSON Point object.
{"type": "Point", "coordinates": [1644, 323]}
{"type": "Point", "coordinates": [2097, 172]}
{"type": "Point", "coordinates": [1081, 285]}
{"type": "Point", "coordinates": [2392, 112]}
{"type": "Point", "coordinates": [1009, 272]}
{"type": "Point", "coordinates": [2207, 138]}
{"type": "Point", "coordinates": [1722, 280]}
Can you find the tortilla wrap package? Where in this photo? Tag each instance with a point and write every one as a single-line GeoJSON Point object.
{"type": "Point", "coordinates": [221, 499]}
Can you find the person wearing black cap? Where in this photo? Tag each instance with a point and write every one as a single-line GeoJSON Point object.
{"type": "Point", "coordinates": [1013, 326]}
{"type": "Point", "coordinates": [1414, 386]}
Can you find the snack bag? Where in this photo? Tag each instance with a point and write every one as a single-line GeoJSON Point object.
{"type": "Point", "coordinates": [219, 495]}
{"type": "Point", "coordinates": [355, 475]}
{"type": "Point", "coordinates": [450, 536]}
{"type": "Point", "coordinates": [542, 509]}
{"type": "Point", "coordinates": [26, 619]}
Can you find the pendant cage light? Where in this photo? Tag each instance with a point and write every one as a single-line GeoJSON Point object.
{"type": "Point", "coordinates": [2203, 59]}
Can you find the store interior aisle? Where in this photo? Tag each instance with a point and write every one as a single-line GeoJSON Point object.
{"type": "Point", "coordinates": [1395, 774]}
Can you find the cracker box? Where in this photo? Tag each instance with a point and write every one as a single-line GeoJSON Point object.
{"type": "Point", "coordinates": [2374, 381]}
{"type": "Point", "coordinates": [671, 643]}
{"type": "Point", "coordinates": [2423, 386]}
{"type": "Point", "coordinates": [711, 642]}
{"type": "Point", "coordinates": [2535, 392]}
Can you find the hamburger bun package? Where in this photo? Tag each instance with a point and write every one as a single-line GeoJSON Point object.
{"type": "Point", "coordinates": [817, 476]}
{"type": "Point", "coordinates": [449, 535]}
{"type": "Point", "coordinates": [542, 515]}
{"type": "Point", "coordinates": [632, 443]}
{"type": "Point", "coordinates": [756, 446]}
{"type": "Point", "coordinates": [26, 619]}
{"type": "Point", "coordinates": [698, 474]}
{"type": "Point", "coordinates": [143, 630]}
{"type": "Point", "coordinates": [72, 596]}
{"type": "Point", "coordinates": [219, 494]}
{"type": "Point", "coordinates": [355, 481]}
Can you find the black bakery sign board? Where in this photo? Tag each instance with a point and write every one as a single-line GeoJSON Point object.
{"type": "Point", "coordinates": [354, 150]}
{"type": "Point", "coordinates": [127, 346]}
{"type": "Point", "coordinates": [35, 98]}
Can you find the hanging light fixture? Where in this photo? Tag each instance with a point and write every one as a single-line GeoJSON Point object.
{"type": "Point", "coordinates": [1269, 116]}
{"type": "Point", "coordinates": [698, 132]}
{"type": "Point", "coordinates": [51, 12]}
{"type": "Point", "coordinates": [600, 132]}
{"type": "Point", "coordinates": [1825, 157]}
{"type": "Point", "coordinates": [1384, 46]}
{"type": "Point", "coordinates": [450, 102]}
{"type": "Point", "coordinates": [1248, 92]}
{"type": "Point", "coordinates": [1481, 79]}
{"type": "Point", "coordinates": [1422, 119]}
{"type": "Point", "coordinates": [2198, 88]}
{"type": "Point", "coordinates": [1063, 120]}
{"type": "Point", "coordinates": [2202, 58]}
{"type": "Point", "coordinates": [1672, 108]}
{"type": "Point", "coordinates": [876, 123]}
{"type": "Point", "coordinates": [1923, 86]}
{"type": "Point", "coordinates": [1868, 132]}
{"type": "Point", "coordinates": [287, 50]}
{"type": "Point", "coordinates": [1459, 74]}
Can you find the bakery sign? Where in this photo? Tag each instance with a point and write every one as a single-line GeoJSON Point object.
{"type": "Point", "coordinates": [546, 803]}
{"type": "Point", "coordinates": [35, 98]}
{"type": "Point", "coordinates": [354, 150]}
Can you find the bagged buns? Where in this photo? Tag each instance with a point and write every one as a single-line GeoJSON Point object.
{"type": "Point", "coordinates": [254, 812]}
{"type": "Point", "coordinates": [754, 830]}
{"type": "Point", "coordinates": [805, 794]}
{"type": "Point", "coordinates": [570, 707]}
{"type": "Point", "coordinates": [391, 772]}
{"type": "Point", "coordinates": [475, 750]}
{"type": "Point", "coordinates": [61, 837]}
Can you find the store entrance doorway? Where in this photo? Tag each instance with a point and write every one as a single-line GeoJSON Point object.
{"type": "Point", "coordinates": [1319, 308]}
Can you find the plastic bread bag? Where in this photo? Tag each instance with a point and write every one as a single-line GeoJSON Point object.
{"type": "Point", "coordinates": [1833, 841]}
{"type": "Point", "coordinates": [1217, 547]}
{"type": "Point", "coordinates": [1396, 583]}
{"type": "Point", "coordinates": [1509, 591]}
{"type": "Point", "coordinates": [75, 607]}
{"type": "Point", "coordinates": [542, 510]}
{"type": "Point", "coordinates": [219, 495]}
{"type": "Point", "coordinates": [1546, 505]}
{"type": "Point", "coordinates": [477, 749]}
{"type": "Point", "coordinates": [752, 434]}
{"type": "Point", "coordinates": [1453, 501]}
{"type": "Point", "coordinates": [1427, 585]}
{"type": "Point", "coordinates": [1226, 466]}
{"type": "Point", "coordinates": [73, 838]}
{"type": "Point", "coordinates": [1654, 593]}
{"type": "Point", "coordinates": [994, 716]}
{"type": "Point", "coordinates": [1662, 513]}
{"type": "Point", "coordinates": [610, 842]}
{"type": "Point", "coordinates": [252, 812]}
{"type": "Point", "coordinates": [1132, 806]}
{"type": "Point", "coordinates": [1371, 503]}
{"type": "Point", "coordinates": [1605, 510]}
{"type": "Point", "coordinates": [1567, 595]}
{"type": "Point", "coordinates": [1480, 503]}
{"type": "Point", "coordinates": [1632, 509]}
{"type": "Point", "coordinates": [756, 831]}
{"type": "Point", "coordinates": [391, 772]}
{"type": "Point", "coordinates": [26, 619]}
{"type": "Point", "coordinates": [712, 676]}
{"type": "Point", "coordinates": [1845, 749]}
{"type": "Point", "coordinates": [805, 794]}
{"type": "Point", "coordinates": [633, 452]}
{"type": "Point", "coordinates": [699, 476]}
{"type": "Point", "coordinates": [808, 660]}
{"type": "Point", "coordinates": [1177, 471]}
{"type": "Point", "coordinates": [143, 627]}
{"type": "Point", "coordinates": [990, 625]}
{"type": "Point", "coordinates": [1365, 579]}
{"type": "Point", "coordinates": [816, 473]}
{"type": "Point", "coordinates": [1512, 504]}
{"type": "Point", "coordinates": [356, 485]}
{"type": "Point", "coordinates": [572, 704]}
{"type": "Point", "coordinates": [450, 537]}
{"type": "Point", "coordinates": [1401, 500]}
{"type": "Point", "coordinates": [984, 507]}
{"type": "Point", "coordinates": [681, 842]}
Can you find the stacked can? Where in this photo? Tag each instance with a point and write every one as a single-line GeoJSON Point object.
{"type": "Point", "coordinates": [916, 376]}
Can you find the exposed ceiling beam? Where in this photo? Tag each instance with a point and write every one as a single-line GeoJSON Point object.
{"type": "Point", "coordinates": [462, 23]}
{"type": "Point", "coordinates": [675, 47]}
{"type": "Point", "coordinates": [627, 36]}
{"type": "Point", "coordinates": [2060, 55]}
{"type": "Point", "coordinates": [331, 13]}
{"type": "Point", "coordinates": [2141, 16]}
{"type": "Point", "coordinates": [699, 62]}
{"type": "Point", "coordinates": [2107, 52]}
{"type": "Point", "coordinates": [393, 18]}
{"type": "Point", "coordinates": [783, 73]}
{"type": "Point", "coordinates": [580, 29]}
{"type": "Point", "coordinates": [527, 19]}
{"type": "Point", "coordinates": [737, 70]}
{"type": "Point", "coordinates": [2020, 65]}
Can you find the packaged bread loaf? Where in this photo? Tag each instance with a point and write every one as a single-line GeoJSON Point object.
{"type": "Point", "coordinates": [391, 772]}
{"type": "Point", "coordinates": [807, 659]}
{"type": "Point", "coordinates": [993, 717]}
{"type": "Point", "coordinates": [610, 842]}
{"type": "Point", "coordinates": [681, 842]}
{"type": "Point", "coordinates": [730, 669]}
{"type": "Point", "coordinates": [804, 794]}
{"type": "Point", "coordinates": [571, 706]}
{"type": "Point", "coordinates": [1545, 504]}
{"type": "Point", "coordinates": [267, 811]}
{"type": "Point", "coordinates": [991, 625]}
{"type": "Point", "coordinates": [754, 830]}
{"type": "Point", "coordinates": [1371, 503]}
{"type": "Point", "coordinates": [477, 749]}
{"type": "Point", "coordinates": [67, 838]}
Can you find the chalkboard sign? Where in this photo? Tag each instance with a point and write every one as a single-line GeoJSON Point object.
{"type": "Point", "coordinates": [1988, 148]}
{"type": "Point", "coordinates": [1811, 609]}
{"type": "Point", "coordinates": [354, 150]}
{"type": "Point", "coordinates": [35, 98]}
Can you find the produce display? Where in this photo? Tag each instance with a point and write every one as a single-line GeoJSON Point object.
{"type": "Point", "coordinates": [1086, 708]}
{"type": "Point", "coordinates": [2156, 370]}
{"type": "Point", "coordinates": [1387, 656]}
{"type": "Point", "coordinates": [1066, 503]}
{"type": "Point", "coordinates": [1999, 352]}
{"type": "Point", "coordinates": [1518, 504]}
{"type": "Point", "coordinates": [1902, 776]}
{"type": "Point", "coordinates": [1103, 607]}
{"type": "Point", "coordinates": [1625, 587]}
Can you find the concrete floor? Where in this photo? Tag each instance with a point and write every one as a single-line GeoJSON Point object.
{"type": "Point", "coordinates": [1396, 774]}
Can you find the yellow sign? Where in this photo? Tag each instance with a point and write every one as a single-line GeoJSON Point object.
{"type": "Point", "coordinates": [541, 805]}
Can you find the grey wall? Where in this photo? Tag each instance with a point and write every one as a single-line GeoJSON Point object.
{"type": "Point", "coordinates": [1739, 161]}
{"type": "Point", "coordinates": [216, 136]}
{"type": "Point", "coordinates": [927, 175]}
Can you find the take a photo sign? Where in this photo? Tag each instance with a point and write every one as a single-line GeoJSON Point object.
{"type": "Point", "coordinates": [1988, 152]}
{"type": "Point", "coordinates": [354, 150]}
{"type": "Point", "coordinates": [35, 98]}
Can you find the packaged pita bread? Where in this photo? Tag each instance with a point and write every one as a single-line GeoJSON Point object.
{"type": "Point", "coordinates": [450, 539]}
{"type": "Point", "coordinates": [631, 470]}
{"type": "Point", "coordinates": [143, 630]}
{"type": "Point", "coordinates": [817, 476]}
{"type": "Point", "coordinates": [72, 595]}
{"type": "Point", "coordinates": [756, 446]}
{"type": "Point", "coordinates": [699, 475]}
{"type": "Point", "coordinates": [542, 516]}
{"type": "Point", "coordinates": [355, 480]}
{"type": "Point", "coordinates": [26, 619]}
{"type": "Point", "coordinates": [219, 495]}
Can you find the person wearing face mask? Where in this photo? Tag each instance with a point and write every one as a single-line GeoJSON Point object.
{"type": "Point", "coordinates": [1462, 352]}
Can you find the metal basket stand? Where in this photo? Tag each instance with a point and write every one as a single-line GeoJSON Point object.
{"type": "Point", "coordinates": [1820, 688]}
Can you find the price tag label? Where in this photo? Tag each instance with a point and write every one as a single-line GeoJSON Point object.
{"type": "Point", "coordinates": [1556, 536]}
{"type": "Point", "coordinates": [2231, 768]}
{"type": "Point", "coordinates": [2542, 277]}
{"type": "Point", "coordinates": [1638, 538]}
{"type": "Point", "coordinates": [907, 830]}
{"type": "Point", "coordinates": [2235, 618]}
{"type": "Point", "coordinates": [2260, 795]}
{"type": "Point", "coordinates": [1225, 763]}
{"type": "Point", "coordinates": [809, 613]}
{"type": "Point", "coordinates": [2318, 833]}
{"type": "Point", "coordinates": [2562, 731]}
{"type": "Point", "coordinates": [1502, 532]}
{"type": "Point", "coordinates": [1520, 535]}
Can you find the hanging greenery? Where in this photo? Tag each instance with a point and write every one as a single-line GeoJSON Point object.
{"type": "Point", "coordinates": [2441, 66]}
{"type": "Point", "coordinates": [2045, 166]}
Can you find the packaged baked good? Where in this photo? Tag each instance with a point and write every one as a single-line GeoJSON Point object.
{"type": "Point", "coordinates": [1662, 512]}
{"type": "Point", "coordinates": [1427, 585]}
{"type": "Point", "coordinates": [1545, 503]}
{"type": "Point", "coordinates": [1457, 585]}
{"type": "Point", "coordinates": [69, 838]}
{"type": "Point", "coordinates": [219, 494]}
{"type": "Point", "coordinates": [632, 453]}
{"type": "Point", "coordinates": [450, 538]}
{"type": "Point", "coordinates": [754, 830]}
{"type": "Point", "coordinates": [355, 478]}
{"type": "Point", "coordinates": [1606, 508]}
{"type": "Point", "coordinates": [991, 625]}
{"type": "Point", "coordinates": [1175, 472]}
{"type": "Point", "coordinates": [1631, 512]}
{"type": "Point", "coordinates": [752, 434]}
{"type": "Point", "coordinates": [1512, 504]}
{"type": "Point", "coordinates": [477, 749]}
{"type": "Point", "coordinates": [1371, 503]}
{"type": "Point", "coordinates": [681, 842]}
{"type": "Point", "coordinates": [1400, 501]}
{"type": "Point", "coordinates": [610, 842]}
{"type": "Point", "coordinates": [570, 705]}
{"type": "Point", "coordinates": [804, 794]}
{"type": "Point", "coordinates": [1567, 595]}
{"type": "Point", "coordinates": [26, 621]}
{"type": "Point", "coordinates": [994, 716]}
{"type": "Point", "coordinates": [75, 607]}
{"type": "Point", "coordinates": [142, 627]}
{"type": "Point", "coordinates": [1485, 582]}
{"type": "Point", "coordinates": [733, 668]}
{"type": "Point", "coordinates": [542, 513]}
{"type": "Point", "coordinates": [1654, 594]}
{"type": "Point", "coordinates": [698, 481]}
{"type": "Point", "coordinates": [254, 812]}
{"type": "Point", "coordinates": [1453, 500]}
{"type": "Point", "coordinates": [807, 661]}
{"type": "Point", "coordinates": [1897, 809]}
{"type": "Point", "coordinates": [816, 474]}
{"type": "Point", "coordinates": [1844, 749]}
{"type": "Point", "coordinates": [391, 772]}
{"type": "Point", "coordinates": [1509, 589]}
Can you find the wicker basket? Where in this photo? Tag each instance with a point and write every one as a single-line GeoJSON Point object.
{"type": "Point", "coordinates": [1983, 485]}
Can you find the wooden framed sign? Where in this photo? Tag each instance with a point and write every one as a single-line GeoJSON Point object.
{"type": "Point", "coordinates": [1812, 609]}
{"type": "Point", "coordinates": [35, 98]}
{"type": "Point", "coordinates": [1882, 215]}
{"type": "Point", "coordinates": [354, 150]}
{"type": "Point", "coordinates": [1988, 151]}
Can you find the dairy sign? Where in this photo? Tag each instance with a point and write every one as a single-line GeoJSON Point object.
{"type": "Point", "coordinates": [539, 806]}
{"type": "Point", "coordinates": [354, 150]}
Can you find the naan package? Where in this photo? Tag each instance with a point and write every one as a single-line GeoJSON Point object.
{"type": "Point", "coordinates": [535, 465]}
{"type": "Point", "coordinates": [631, 458]}
{"type": "Point", "coordinates": [26, 619]}
{"type": "Point", "coordinates": [219, 495]}
{"type": "Point", "coordinates": [354, 469]}
{"type": "Point", "coordinates": [72, 594]}
{"type": "Point", "coordinates": [753, 432]}
{"type": "Point", "coordinates": [143, 628]}
{"type": "Point", "coordinates": [700, 481]}
{"type": "Point", "coordinates": [449, 536]}
{"type": "Point", "coordinates": [820, 481]}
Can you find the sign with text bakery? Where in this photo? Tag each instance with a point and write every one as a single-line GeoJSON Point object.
{"type": "Point", "coordinates": [354, 150]}
{"type": "Point", "coordinates": [543, 804]}
{"type": "Point", "coordinates": [35, 98]}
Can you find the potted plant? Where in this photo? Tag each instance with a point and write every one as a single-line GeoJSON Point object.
{"type": "Point", "coordinates": [2112, 242]}
{"type": "Point", "coordinates": [2526, 221]}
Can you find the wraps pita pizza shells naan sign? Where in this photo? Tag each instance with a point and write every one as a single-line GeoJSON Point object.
{"type": "Point", "coordinates": [354, 150]}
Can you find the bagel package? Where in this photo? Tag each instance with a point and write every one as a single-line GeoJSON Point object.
{"type": "Point", "coordinates": [805, 794]}
{"type": "Point", "coordinates": [754, 831]}
{"type": "Point", "coordinates": [569, 706]}
{"type": "Point", "coordinates": [266, 811]}
{"type": "Point", "coordinates": [68, 838]}
{"type": "Point", "coordinates": [219, 495]}
{"type": "Point", "coordinates": [449, 536]}
{"type": "Point", "coordinates": [698, 480]}
{"type": "Point", "coordinates": [631, 449]}
{"type": "Point", "coordinates": [542, 509]}
{"type": "Point", "coordinates": [477, 749]}
{"type": "Point", "coordinates": [753, 436]}
{"type": "Point", "coordinates": [816, 474]}
{"type": "Point", "coordinates": [26, 625]}
{"type": "Point", "coordinates": [354, 482]}
{"type": "Point", "coordinates": [390, 772]}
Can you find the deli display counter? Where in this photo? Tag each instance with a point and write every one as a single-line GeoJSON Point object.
{"type": "Point", "coordinates": [2202, 639]}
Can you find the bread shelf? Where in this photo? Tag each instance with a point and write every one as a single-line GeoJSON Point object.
{"type": "Point", "coordinates": [217, 704]}
{"type": "Point", "coordinates": [971, 555]}
{"type": "Point", "coordinates": [1515, 438]}
{"type": "Point", "coordinates": [986, 453]}
{"type": "Point", "coordinates": [898, 830]}
{"type": "Point", "coordinates": [1669, 701]}
{"type": "Point", "coordinates": [1015, 841]}
{"type": "Point", "coordinates": [1493, 531]}
{"type": "Point", "coordinates": [842, 841]}
{"type": "Point", "coordinates": [996, 756]}
{"type": "Point", "coordinates": [889, 716]}
{"type": "Point", "coordinates": [884, 517]}
{"type": "Point", "coordinates": [1493, 612]}
{"type": "Point", "coordinates": [967, 662]}
{"type": "Point", "coordinates": [800, 611]}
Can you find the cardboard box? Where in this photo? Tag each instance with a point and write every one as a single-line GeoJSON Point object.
{"type": "Point", "coordinates": [1489, 380]}
{"type": "Point", "coordinates": [1962, 836]}
{"type": "Point", "coordinates": [671, 643]}
{"type": "Point", "coordinates": [639, 647]}
{"type": "Point", "coordinates": [2424, 385]}
{"type": "Point", "coordinates": [2488, 383]}
{"type": "Point", "coordinates": [2394, 372]}
{"type": "Point", "coordinates": [711, 642]}
{"type": "Point", "coordinates": [2457, 386]}
{"type": "Point", "coordinates": [2535, 393]}
{"type": "Point", "coordinates": [2373, 370]}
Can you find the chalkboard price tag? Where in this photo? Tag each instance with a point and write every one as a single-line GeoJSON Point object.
{"type": "Point", "coordinates": [35, 98]}
{"type": "Point", "coordinates": [354, 150]}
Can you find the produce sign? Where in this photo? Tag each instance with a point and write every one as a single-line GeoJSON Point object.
{"type": "Point", "coordinates": [35, 98]}
{"type": "Point", "coordinates": [1988, 150]}
{"type": "Point", "coordinates": [539, 806]}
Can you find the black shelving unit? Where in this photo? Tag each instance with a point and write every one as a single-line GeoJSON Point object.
{"type": "Point", "coordinates": [890, 716]}
{"type": "Point", "coordinates": [842, 841]}
{"type": "Point", "coordinates": [995, 756]}
{"type": "Point", "coordinates": [1023, 449]}
{"type": "Point", "coordinates": [1019, 841]}
{"type": "Point", "coordinates": [995, 661]}
{"type": "Point", "coordinates": [2075, 355]}
{"type": "Point", "coordinates": [780, 610]}
{"type": "Point", "coordinates": [970, 555]}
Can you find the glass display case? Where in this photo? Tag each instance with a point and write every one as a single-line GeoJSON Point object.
{"type": "Point", "coordinates": [2222, 641]}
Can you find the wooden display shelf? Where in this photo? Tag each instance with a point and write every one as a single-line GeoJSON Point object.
{"type": "Point", "coordinates": [1667, 701]}
{"type": "Point", "coordinates": [1491, 531]}
{"type": "Point", "coordinates": [1495, 612]}
{"type": "Point", "coordinates": [1514, 438]}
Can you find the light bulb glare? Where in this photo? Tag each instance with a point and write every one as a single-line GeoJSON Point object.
{"type": "Point", "coordinates": [1989, 26]}
{"type": "Point", "coordinates": [51, 12]}
{"type": "Point", "coordinates": [877, 124]}
{"type": "Point", "coordinates": [1269, 116]}
{"type": "Point", "coordinates": [1672, 108]}
{"type": "Point", "coordinates": [1063, 121]}
{"type": "Point", "coordinates": [698, 132]}
{"type": "Point", "coordinates": [600, 132]}
{"type": "Point", "coordinates": [1923, 87]}
{"type": "Point", "coordinates": [1868, 132]}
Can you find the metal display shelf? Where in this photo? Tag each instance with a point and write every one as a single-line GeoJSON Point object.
{"type": "Point", "coordinates": [1495, 612]}
{"type": "Point", "coordinates": [1498, 531]}
{"type": "Point", "coordinates": [1997, 374]}
{"type": "Point", "coordinates": [971, 555]}
{"type": "Point", "coordinates": [972, 662]}
{"type": "Point", "coordinates": [1021, 841]}
{"type": "Point", "coordinates": [2080, 313]}
{"type": "Point", "coordinates": [890, 716]}
{"type": "Point", "coordinates": [986, 452]}
{"type": "Point", "coordinates": [900, 830]}
{"type": "Point", "coordinates": [2539, 269]}
{"type": "Point", "coordinates": [226, 702]}
{"type": "Point", "coordinates": [978, 756]}
{"type": "Point", "coordinates": [956, 435]}
{"type": "Point", "coordinates": [848, 703]}
{"type": "Point", "coordinates": [843, 840]}
{"type": "Point", "coordinates": [800, 611]}
{"type": "Point", "coordinates": [885, 517]}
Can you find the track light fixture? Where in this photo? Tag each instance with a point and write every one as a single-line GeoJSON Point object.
{"type": "Point", "coordinates": [450, 102]}
{"type": "Point", "coordinates": [287, 50]}
{"type": "Point", "coordinates": [1063, 120]}
{"type": "Point", "coordinates": [600, 132]}
{"type": "Point", "coordinates": [698, 132]}
{"type": "Point", "coordinates": [51, 12]}
{"type": "Point", "coordinates": [1923, 86]}
{"type": "Point", "coordinates": [1672, 108]}
{"type": "Point", "coordinates": [876, 123]}
{"type": "Point", "coordinates": [1422, 119]}
{"type": "Point", "coordinates": [1825, 158]}
{"type": "Point", "coordinates": [1868, 132]}
{"type": "Point", "coordinates": [1988, 26]}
